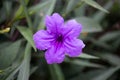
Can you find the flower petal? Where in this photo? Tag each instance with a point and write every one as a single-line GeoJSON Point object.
{"type": "Point", "coordinates": [54, 22]}
{"type": "Point", "coordinates": [73, 47]}
{"type": "Point", "coordinates": [42, 39]}
{"type": "Point", "coordinates": [55, 55]}
{"type": "Point", "coordinates": [57, 18]}
{"type": "Point", "coordinates": [72, 29]}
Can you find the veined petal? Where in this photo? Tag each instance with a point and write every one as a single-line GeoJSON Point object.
{"type": "Point", "coordinates": [42, 39]}
{"type": "Point", "coordinates": [54, 22]}
{"type": "Point", "coordinates": [73, 47]}
{"type": "Point", "coordinates": [57, 19]}
{"type": "Point", "coordinates": [72, 29]}
{"type": "Point", "coordinates": [55, 55]}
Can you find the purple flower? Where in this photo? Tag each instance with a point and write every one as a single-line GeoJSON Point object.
{"type": "Point", "coordinates": [59, 39]}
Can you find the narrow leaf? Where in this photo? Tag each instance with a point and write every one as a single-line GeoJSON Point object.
{"type": "Point", "coordinates": [112, 59]}
{"type": "Point", "coordinates": [25, 10]}
{"type": "Point", "coordinates": [89, 24]}
{"type": "Point", "coordinates": [27, 34]}
{"type": "Point", "coordinates": [84, 63]}
{"type": "Point", "coordinates": [25, 66]}
{"type": "Point", "coordinates": [38, 7]}
{"type": "Point", "coordinates": [71, 4]}
{"type": "Point", "coordinates": [107, 36]}
{"type": "Point", "coordinates": [99, 15]}
{"type": "Point", "coordinates": [57, 75]}
{"type": "Point", "coordinates": [12, 73]}
{"type": "Point", "coordinates": [87, 56]}
{"type": "Point", "coordinates": [46, 11]}
{"type": "Point", "coordinates": [105, 75]}
{"type": "Point", "coordinates": [8, 54]}
{"type": "Point", "coordinates": [20, 10]}
{"type": "Point", "coordinates": [95, 5]}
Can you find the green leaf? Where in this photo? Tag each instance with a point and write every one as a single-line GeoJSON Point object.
{"type": "Point", "coordinates": [47, 10]}
{"type": "Point", "coordinates": [2, 14]}
{"type": "Point", "coordinates": [89, 24]}
{"type": "Point", "coordinates": [27, 34]}
{"type": "Point", "coordinates": [25, 11]}
{"type": "Point", "coordinates": [19, 11]}
{"type": "Point", "coordinates": [9, 72]}
{"type": "Point", "coordinates": [87, 56]}
{"type": "Point", "coordinates": [116, 43]}
{"type": "Point", "coordinates": [51, 7]}
{"type": "Point", "coordinates": [101, 44]}
{"type": "Point", "coordinates": [32, 10]}
{"type": "Point", "coordinates": [100, 15]}
{"type": "Point", "coordinates": [84, 63]}
{"type": "Point", "coordinates": [110, 36]}
{"type": "Point", "coordinates": [38, 7]}
{"type": "Point", "coordinates": [71, 4]}
{"type": "Point", "coordinates": [8, 54]}
{"type": "Point", "coordinates": [3, 45]}
{"type": "Point", "coordinates": [95, 5]}
{"type": "Point", "coordinates": [1, 71]}
{"type": "Point", "coordinates": [106, 74]}
{"type": "Point", "coordinates": [112, 59]}
{"type": "Point", "coordinates": [12, 73]}
{"type": "Point", "coordinates": [56, 72]}
{"type": "Point", "coordinates": [25, 66]}
{"type": "Point", "coordinates": [8, 7]}
{"type": "Point", "coordinates": [81, 10]}
{"type": "Point", "coordinates": [39, 16]}
{"type": "Point", "coordinates": [33, 69]}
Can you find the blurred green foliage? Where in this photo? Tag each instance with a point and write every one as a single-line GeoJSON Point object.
{"type": "Point", "coordinates": [20, 60]}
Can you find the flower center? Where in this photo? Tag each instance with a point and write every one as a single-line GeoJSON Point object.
{"type": "Point", "coordinates": [59, 38]}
